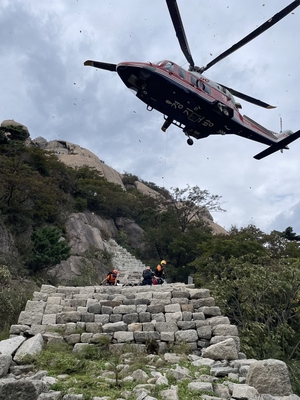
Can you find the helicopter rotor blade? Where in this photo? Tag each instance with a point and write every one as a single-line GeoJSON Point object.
{"type": "Point", "coordinates": [102, 65]}
{"type": "Point", "coordinates": [268, 24]}
{"type": "Point", "coordinates": [247, 98]}
{"type": "Point", "coordinates": [179, 29]}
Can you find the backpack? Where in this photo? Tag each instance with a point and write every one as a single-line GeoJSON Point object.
{"type": "Point", "coordinates": [111, 277]}
{"type": "Point", "coordinates": [147, 274]}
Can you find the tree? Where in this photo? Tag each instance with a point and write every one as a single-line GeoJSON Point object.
{"type": "Point", "coordinates": [13, 132]}
{"type": "Point", "coordinates": [290, 235]}
{"type": "Point", "coordinates": [35, 187]}
{"type": "Point", "coordinates": [256, 282]}
{"type": "Point", "coordinates": [261, 297]}
{"type": "Point", "coordinates": [191, 204]}
{"type": "Point", "coordinates": [179, 226]}
{"type": "Point", "coordinates": [103, 197]}
{"type": "Point", "coordinates": [48, 248]}
{"type": "Point", "coordinates": [216, 251]}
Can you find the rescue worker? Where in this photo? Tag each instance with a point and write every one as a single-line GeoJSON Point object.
{"type": "Point", "coordinates": [111, 278]}
{"type": "Point", "coordinates": [147, 276]}
{"type": "Point", "coordinates": [159, 273]}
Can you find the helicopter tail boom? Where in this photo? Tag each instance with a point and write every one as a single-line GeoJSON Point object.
{"type": "Point", "coordinates": [278, 146]}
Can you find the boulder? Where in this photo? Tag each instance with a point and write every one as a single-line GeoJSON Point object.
{"type": "Point", "coordinates": [133, 231]}
{"type": "Point", "coordinates": [225, 350]}
{"type": "Point", "coordinates": [9, 346]}
{"type": "Point", "coordinates": [170, 394]}
{"type": "Point", "coordinates": [21, 390]}
{"type": "Point", "coordinates": [244, 392]}
{"type": "Point", "coordinates": [30, 347]}
{"type": "Point", "coordinates": [269, 376]}
{"type": "Point", "coordinates": [85, 231]}
{"type": "Point", "coordinates": [5, 361]}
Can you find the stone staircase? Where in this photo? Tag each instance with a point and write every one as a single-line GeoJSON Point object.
{"type": "Point", "coordinates": [129, 267]}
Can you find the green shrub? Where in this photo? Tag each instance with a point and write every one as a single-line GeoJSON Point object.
{"type": "Point", "coordinates": [48, 248]}
{"type": "Point", "coordinates": [13, 298]}
{"type": "Point", "coordinates": [5, 275]}
{"type": "Point", "coordinates": [294, 369]}
{"type": "Point", "coordinates": [58, 359]}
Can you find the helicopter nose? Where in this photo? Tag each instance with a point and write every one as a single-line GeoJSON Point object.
{"type": "Point", "coordinates": [123, 70]}
{"type": "Point", "coordinates": [122, 66]}
{"type": "Point", "coordinates": [135, 75]}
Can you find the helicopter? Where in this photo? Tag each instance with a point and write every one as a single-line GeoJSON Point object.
{"type": "Point", "coordinates": [197, 105]}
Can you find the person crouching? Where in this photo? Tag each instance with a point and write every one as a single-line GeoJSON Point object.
{"type": "Point", "coordinates": [147, 276]}
{"type": "Point", "coordinates": [159, 273]}
{"type": "Point", "coordinates": [111, 278]}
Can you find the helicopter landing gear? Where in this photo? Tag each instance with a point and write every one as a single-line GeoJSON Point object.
{"type": "Point", "coordinates": [166, 124]}
{"type": "Point", "coordinates": [188, 132]}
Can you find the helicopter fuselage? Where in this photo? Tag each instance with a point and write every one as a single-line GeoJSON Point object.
{"type": "Point", "coordinates": [187, 99]}
{"type": "Point", "coordinates": [197, 105]}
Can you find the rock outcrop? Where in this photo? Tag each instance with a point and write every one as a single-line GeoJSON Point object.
{"type": "Point", "coordinates": [88, 234]}
{"type": "Point", "coordinates": [75, 156]}
{"type": "Point", "coordinates": [10, 122]}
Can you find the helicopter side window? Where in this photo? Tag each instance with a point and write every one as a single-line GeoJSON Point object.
{"type": "Point", "coordinates": [181, 73]}
{"type": "Point", "coordinates": [194, 81]}
{"type": "Point", "coordinates": [169, 66]}
{"type": "Point", "coordinates": [206, 88]}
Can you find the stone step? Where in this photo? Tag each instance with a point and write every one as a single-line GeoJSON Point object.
{"type": "Point", "coordinates": [129, 267]}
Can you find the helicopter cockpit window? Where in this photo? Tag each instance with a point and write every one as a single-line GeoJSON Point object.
{"type": "Point", "coordinates": [169, 66]}
{"type": "Point", "coordinates": [181, 73]}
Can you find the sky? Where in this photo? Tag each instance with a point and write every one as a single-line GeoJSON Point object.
{"type": "Point", "coordinates": [45, 86]}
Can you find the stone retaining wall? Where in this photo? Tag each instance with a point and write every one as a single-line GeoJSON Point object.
{"type": "Point", "coordinates": [167, 314]}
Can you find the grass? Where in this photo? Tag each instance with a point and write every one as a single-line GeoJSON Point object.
{"type": "Point", "coordinates": [96, 371]}
{"type": "Point", "coordinates": [4, 332]}
{"type": "Point", "coordinates": [82, 372]}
